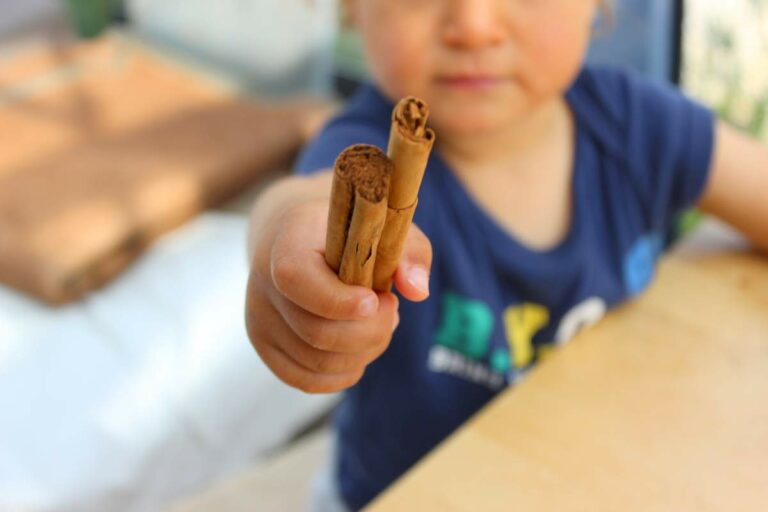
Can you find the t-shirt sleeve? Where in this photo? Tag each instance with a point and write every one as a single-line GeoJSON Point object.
{"type": "Point", "coordinates": [670, 145]}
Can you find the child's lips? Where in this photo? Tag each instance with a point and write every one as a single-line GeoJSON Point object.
{"type": "Point", "coordinates": [472, 82]}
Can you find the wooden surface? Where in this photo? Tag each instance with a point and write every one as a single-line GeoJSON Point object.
{"type": "Point", "coordinates": [105, 145]}
{"type": "Point", "coordinates": [661, 407]}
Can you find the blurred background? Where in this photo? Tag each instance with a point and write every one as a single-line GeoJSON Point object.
{"type": "Point", "coordinates": [134, 135]}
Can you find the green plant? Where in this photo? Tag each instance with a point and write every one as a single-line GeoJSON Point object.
{"type": "Point", "coordinates": [91, 17]}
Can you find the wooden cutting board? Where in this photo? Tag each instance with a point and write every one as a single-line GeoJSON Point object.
{"type": "Point", "coordinates": [106, 145]}
{"type": "Point", "coordinates": [661, 407]}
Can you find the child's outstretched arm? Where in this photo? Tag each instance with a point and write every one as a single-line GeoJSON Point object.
{"type": "Point", "coordinates": [313, 331]}
{"type": "Point", "coordinates": [737, 190]}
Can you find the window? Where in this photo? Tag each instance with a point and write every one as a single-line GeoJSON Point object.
{"type": "Point", "coordinates": [725, 59]}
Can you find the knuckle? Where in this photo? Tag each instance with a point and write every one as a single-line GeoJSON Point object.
{"type": "Point", "coordinates": [370, 336]}
{"type": "Point", "coordinates": [285, 273]}
{"type": "Point", "coordinates": [382, 334]}
{"type": "Point", "coordinates": [259, 270]}
{"type": "Point", "coordinates": [256, 335]}
{"type": "Point", "coordinates": [304, 385]}
{"type": "Point", "coordinates": [381, 346]}
{"type": "Point", "coordinates": [294, 377]}
{"type": "Point", "coordinates": [314, 333]}
{"type": "Point", "coordinates": [301, 383]}
{"type": "Point", "coordinates": [314, 387]}
{"type": "Point", "coordinates": [311, 212]}
{"type": "Point", "coordinates": [337, 306]}
{"type": "Point", "coordinates": [330, 364]}
{"type": "Point", "coordinates": [297, 213]}
{"type": "Point", "coordinates": [284, 372]}
{"type": "Point", "coordinates": [324, 335]}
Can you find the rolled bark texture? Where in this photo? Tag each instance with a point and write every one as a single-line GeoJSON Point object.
{"type": "Point", "coordinates": [357, 213]}
{"type": "Point", "coordinates": [410, 144]}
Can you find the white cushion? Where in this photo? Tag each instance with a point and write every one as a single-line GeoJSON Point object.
{"type": "Point", "coordinates": [145, 390]}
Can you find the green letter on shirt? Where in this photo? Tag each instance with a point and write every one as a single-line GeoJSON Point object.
{"type": "Point", "coordinates": [466, 326]}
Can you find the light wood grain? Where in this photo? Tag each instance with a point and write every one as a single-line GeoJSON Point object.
{"type": "Point", "coordinates": [106, 145]}
{"type": "Point", "coordinates": [661, 407]}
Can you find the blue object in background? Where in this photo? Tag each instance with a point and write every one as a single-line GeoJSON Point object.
{"type": "Point", "coordinates": [644, 37]}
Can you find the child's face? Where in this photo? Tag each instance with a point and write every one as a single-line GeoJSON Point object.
{"type": "Point", "coordinates": [480, 64]}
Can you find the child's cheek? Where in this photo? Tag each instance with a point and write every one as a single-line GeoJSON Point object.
{"type": "Point", "coordinates": [399, 64]}
{"type": "Point", "coordinates": [558, 51]}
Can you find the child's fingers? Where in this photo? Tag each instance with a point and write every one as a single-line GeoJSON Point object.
{"type": "Point", "coordinates": [365, 336]}
{"type": "Point", "coordinates": [412, 275]}
{"type": "Point", "coordinates": [299, 271]}
{"type": "Point", "coordinates": [297, 376]}
{"type": "Point", "coordinates": [306, 280]}
{"type": "Point", "coordinates": [269, 333]}
{"type": "Point", "coordinates": [323, 361]}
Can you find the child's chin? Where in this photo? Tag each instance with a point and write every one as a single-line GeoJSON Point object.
{"type": "Point", "coordinates": [468, 126]}
{"type": "Point", "coordinates": [471, 120]}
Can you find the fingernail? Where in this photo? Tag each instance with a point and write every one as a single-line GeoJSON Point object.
{"type": "Point", "coordinates": [419, 278]}
{"type": "Point", "coordinates": [368, 306]}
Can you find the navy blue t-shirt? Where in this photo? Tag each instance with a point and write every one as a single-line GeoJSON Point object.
{"type": "Point", "coordinates": [642, 155]}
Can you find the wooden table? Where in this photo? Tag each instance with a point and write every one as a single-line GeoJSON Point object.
{"type": "Point", "coordinates": [661, 407]}
{"type": "Point", "coordinates": [107, 144]}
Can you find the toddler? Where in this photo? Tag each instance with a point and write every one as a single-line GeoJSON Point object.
{"type": "Point", "coordinates": [547, 202]}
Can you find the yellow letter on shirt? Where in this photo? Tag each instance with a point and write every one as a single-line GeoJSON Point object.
{"type": "Point", "coordinates": [521, 323]}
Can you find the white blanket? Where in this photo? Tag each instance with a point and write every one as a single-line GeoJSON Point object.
{"type": "Point", "coordinates": [144, 391]}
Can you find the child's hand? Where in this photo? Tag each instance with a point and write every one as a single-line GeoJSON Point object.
{"type": "Point", "coordinates": [313, 331]}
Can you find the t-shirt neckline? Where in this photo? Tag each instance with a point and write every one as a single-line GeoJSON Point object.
{"type": "Point", "coordinates": [507, 241]}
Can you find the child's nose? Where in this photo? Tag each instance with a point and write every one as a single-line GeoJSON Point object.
{"type": "Point", "coordinates": [473, 23]}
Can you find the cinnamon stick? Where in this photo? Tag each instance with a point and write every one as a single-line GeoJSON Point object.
{"type": "Point", "coordinates": [357, 213]}
{"type": "Point", "coordinates": [410, 143]}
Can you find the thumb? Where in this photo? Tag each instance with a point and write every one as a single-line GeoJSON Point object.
{"type": "Point", "coordinates": [412, 274]}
